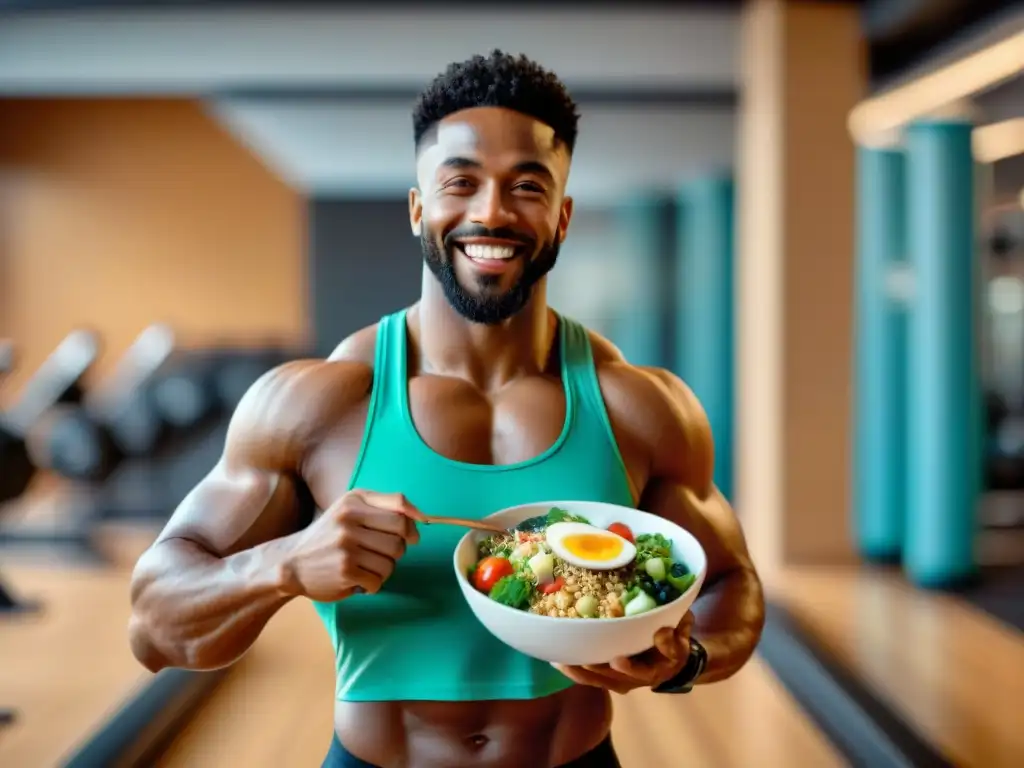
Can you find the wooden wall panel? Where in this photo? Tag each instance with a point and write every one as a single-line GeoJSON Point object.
{"type": "Point", "coordinates": [118, 213]}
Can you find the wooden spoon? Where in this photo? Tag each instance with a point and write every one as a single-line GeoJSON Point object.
{"type": "Point", "coordinates": [479, 525]}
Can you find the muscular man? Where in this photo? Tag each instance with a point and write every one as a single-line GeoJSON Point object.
{"type": "Point", "coordinates": [476, 398]}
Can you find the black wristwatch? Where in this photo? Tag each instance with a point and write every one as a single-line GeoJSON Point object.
{"type": "Point", "coordinates": [685, 680]}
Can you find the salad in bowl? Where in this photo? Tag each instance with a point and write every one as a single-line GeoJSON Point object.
{"type": "Point", "coordinates": [561, 565]}
{"type": "Point", "coordinates": [620, 574]}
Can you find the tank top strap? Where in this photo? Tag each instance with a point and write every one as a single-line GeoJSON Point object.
{"type": "Point", "coordinates": [389, 380]}
{"type": "Point", "coordinates": [578, 363]}
{"type": "Point", "coordinates": [592, 422]}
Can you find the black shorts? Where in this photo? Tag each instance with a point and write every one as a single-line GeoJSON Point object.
{"type": "Point", "coordinates": [601, 756]}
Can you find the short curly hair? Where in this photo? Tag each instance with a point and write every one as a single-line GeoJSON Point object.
{"type": "Point", "coordinates": [498, 80]}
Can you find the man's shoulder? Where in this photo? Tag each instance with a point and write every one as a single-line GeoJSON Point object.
{"type": "Point", "coordinates": [644, 398]}
{"type": "Point", "coordinates": [654, 405]}
{"type": "Point", "coordinates": [292, 407]}
{"type": "Point", "coordinates": [360, 347]}
{"type": "Point", "coordinates": [649, 387]}
{"type": "Point", "coordinates": [311, 385]}
{"type": "Point", "coordinates": [653, 385]}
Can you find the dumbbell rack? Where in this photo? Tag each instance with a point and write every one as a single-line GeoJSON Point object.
{"type": "Point", "coordinates": [58, 382]}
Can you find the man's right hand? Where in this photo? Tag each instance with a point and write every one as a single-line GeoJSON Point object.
{"type": "Point", "coordinates": [352, 547]}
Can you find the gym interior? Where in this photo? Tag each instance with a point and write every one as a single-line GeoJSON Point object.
{"type": "Point", "coordinates": [192, 194]}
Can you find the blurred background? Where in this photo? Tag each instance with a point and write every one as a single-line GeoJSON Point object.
{"type": "Point", "coordinates": [813, 212]}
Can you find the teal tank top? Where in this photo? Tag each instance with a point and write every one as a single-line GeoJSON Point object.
{"type": "Point", "coordinates": [417, 639]}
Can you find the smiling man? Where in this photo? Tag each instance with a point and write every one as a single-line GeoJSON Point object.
{"type": "Point", "coordinates": [477, 397]}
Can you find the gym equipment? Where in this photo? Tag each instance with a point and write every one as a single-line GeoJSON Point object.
{"type": "Point", "coordinates": [130, 415]}
{"type": "Point", "coordinates": [115, 420]}
{"type": "Point", "coordinates": [58, 380]}
{"type": "Point", "coordinates": [236, 370]}
{"type": "Point", "coordinates": [195, 397]}
{"type": "Point", "coordinates": [16, 467]}
{"type": "Point", "coordinates": [131, 445]}
{"type": "Point", "coordinates": [156, 394]}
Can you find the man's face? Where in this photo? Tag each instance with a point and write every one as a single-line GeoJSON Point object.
{"type": "Point", "coordinates": [490, 209]}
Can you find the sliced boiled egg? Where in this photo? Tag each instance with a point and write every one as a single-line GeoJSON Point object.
{"type": "Point", "coordinates": [585, 546]}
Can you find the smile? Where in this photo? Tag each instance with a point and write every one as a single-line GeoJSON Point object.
{"type": "Point", "coordinates": [479, 252]}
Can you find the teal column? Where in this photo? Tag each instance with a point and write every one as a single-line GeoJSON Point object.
{"type": "Point", "coordinates": [705, 335]}
{"type": "Point", "coordinates": [944, 460]}
{"type": "Point", "coordinates": [880, 355]}
{"type": "Point", "coordinates": [641, 325]}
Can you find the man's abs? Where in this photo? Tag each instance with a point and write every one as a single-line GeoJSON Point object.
{"type": "Point", "coordinates": [546, 732]}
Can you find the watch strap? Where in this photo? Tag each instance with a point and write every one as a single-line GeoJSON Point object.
{"type": "Point", "coordinates": [687, 677]}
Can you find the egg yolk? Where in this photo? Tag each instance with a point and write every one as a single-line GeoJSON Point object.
{"type": "Point", "coordinates": [593, 546]}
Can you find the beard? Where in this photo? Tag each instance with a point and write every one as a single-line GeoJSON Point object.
{"type": "Point", "coordinates": [486, 305]}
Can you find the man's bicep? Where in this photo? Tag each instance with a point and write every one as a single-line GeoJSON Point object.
{"type": "Point", "coordinates": [253, 493]}
{"type": "Point", "coordinates": [685, 447]}
{"type": "Point", "coordinates": [233, 510]}
{"type": "Point", "coordinates": [682, 486]}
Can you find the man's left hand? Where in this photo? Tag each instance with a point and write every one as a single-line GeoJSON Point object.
{"type": "Point", "coordinates": [645, 670]}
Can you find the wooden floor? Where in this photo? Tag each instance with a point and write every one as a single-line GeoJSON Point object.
{"type": "Point", "coordinates": [286, 693]}
{"type": "Point", "coordinates": [952, 671]}
{"type": "Point", "coordinates": [68, 668]}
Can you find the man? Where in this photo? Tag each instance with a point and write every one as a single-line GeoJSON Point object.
{"type": "Point", "coordinates": [476, 398]}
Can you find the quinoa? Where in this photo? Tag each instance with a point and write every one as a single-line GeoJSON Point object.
{"type": "Point", "coordinates": [606, 586]}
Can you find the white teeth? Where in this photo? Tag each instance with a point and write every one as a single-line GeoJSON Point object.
{"type": "Point", "coordinates": [489, 251]}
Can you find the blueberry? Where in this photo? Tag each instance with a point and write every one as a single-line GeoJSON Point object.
{"type": "Point", "coordinates": [679, 570]}
{"type": "Point", "coordinates": [666, 594]}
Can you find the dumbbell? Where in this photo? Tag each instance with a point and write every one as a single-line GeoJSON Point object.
{"type": "Point", "coordinates": [16, 468]}
{"type": "Point", "coordinates": [185, 395]}
{"type": "Point", "coordinates": [58, 380]}
{"type": "Point", "coordinates": [118, 419]}
{"type": "Point", "coordinates": [196, 395]}
{"type": "Point", "coordinates": [158, 393]}
{"type": "Point", "coordinates": [234, 371]}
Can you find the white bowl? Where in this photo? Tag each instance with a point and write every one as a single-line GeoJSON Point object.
{"type": "Point", "coordinates": [581, 641]}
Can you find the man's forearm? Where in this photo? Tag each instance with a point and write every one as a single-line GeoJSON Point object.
{"type": "Point", "coordinates": [729, 618]}
{"type": "Point", "coordinates": [197, 611]}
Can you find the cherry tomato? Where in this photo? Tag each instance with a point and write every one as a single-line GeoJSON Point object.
{"type": "Point", "coordinates": [554, 586]}
{"type": "Point", "coordinates": [621, 529]}
{"type": "Point", "coordinates": [489, 571]}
